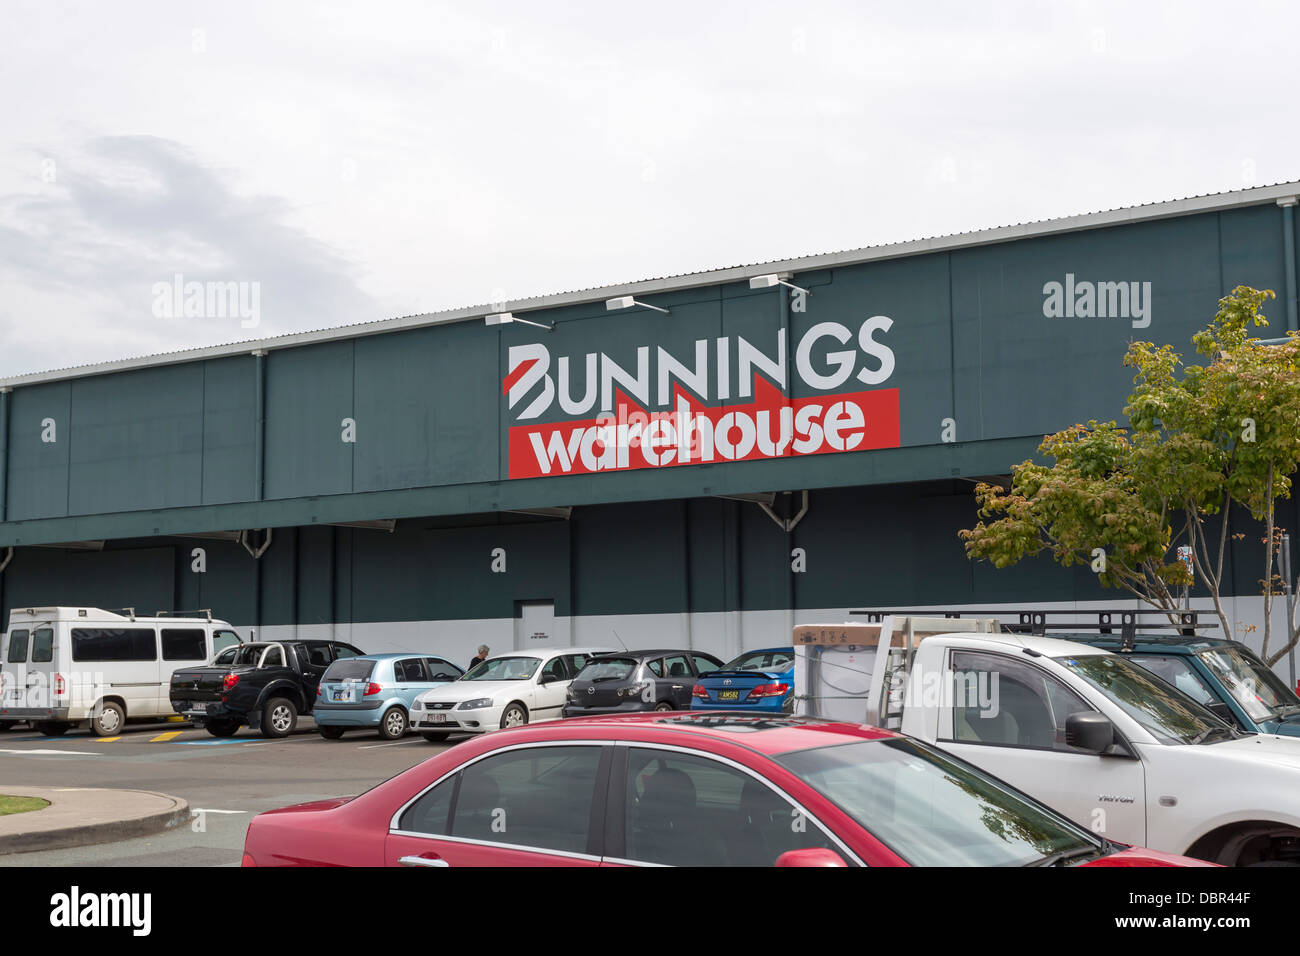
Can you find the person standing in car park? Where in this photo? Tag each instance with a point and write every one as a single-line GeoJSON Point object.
{"type": "Point", "coordinates": [482, 656]}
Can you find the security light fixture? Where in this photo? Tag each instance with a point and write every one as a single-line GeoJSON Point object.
{"type": "Point", "coordinates": [772, 279]}
{"type": "Point", "coordinates": [627, 301]}
{"type": "Point", "coordinates": [505, 318]}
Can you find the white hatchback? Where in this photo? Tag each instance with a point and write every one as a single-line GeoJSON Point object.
{"type": "Point", "coordinates": [503, 691]}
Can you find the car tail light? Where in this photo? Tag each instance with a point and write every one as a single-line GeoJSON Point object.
{"type": "Point", "coordinates": [229, 681]}
{"type": "Point", "coordinates": [372, 688]}
{"type": "Point", "coordinates": [319, 692]}
{"type": "Point", "coordinates": [769, 690]}
{"type": "Point", "coordinates": [60, 685]}
{"type": "Point", "coordinates": [699, 691]}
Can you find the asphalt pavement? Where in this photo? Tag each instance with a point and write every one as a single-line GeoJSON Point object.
{"type": "Point", "coordinates": [224, 781]}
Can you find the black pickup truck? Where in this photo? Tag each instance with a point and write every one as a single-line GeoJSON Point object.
{"type": "Point", "coordinates": [266, 686]}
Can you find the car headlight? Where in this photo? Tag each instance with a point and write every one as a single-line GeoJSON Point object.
{"type": "Point", "coordinates": [476, 704]}
{"type": "Point", "coordinates": [417, 704]}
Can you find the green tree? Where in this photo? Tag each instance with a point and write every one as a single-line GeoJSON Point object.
{"type": "Point", "coordinates": [1202, 438]}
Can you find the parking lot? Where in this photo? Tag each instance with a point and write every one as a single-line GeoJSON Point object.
{"type": "Point", "coordinates": [225, 781]}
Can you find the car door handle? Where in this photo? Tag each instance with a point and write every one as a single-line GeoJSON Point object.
{"type": "Point", "coordinates": [422, 861]}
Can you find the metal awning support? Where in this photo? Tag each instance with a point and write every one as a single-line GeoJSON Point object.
{"type": "Point", "coordinates": [73, 546]}
{"type": "Point", "coordinates": [212, 535]}
{"type": "Point", "coordinates": [261, 549]}
{"type": "Point", "coordinates": [379, 524]}
{"type": "Point", "coordinates": [766, 500]}
{"type": "Point", "coordinates": [9, 556]}
{"type": "Point", "coordinates": [759, 497]}
{"type": "Point", "coordinates": [566, 512]}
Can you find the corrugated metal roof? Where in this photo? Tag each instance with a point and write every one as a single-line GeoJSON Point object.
{"type": "Point", "coordinates": [1205, 202]}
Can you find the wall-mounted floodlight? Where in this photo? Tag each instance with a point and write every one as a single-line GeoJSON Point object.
{"type": "Point", "coordinates": [505, 318]}
{"type": "Point", "coordinates": [772, 279]}
{"type": "Point", "coordinates": [626, 302]}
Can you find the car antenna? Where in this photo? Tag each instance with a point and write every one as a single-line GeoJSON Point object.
{"type": "Point", "coordinates": [619, 639]}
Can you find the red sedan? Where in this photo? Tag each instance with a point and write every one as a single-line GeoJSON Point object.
{"type": "Point", "coordinates": [697, 789]}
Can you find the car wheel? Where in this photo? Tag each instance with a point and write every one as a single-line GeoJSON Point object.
{"type": "Point", "coordinates": [663, 705]}
{"type": "Point", "coordinates": [392, 726]}
{"type": "Point", "coordinates": [222, 728]}
{"type": "Point", "coordinates": [435, 736]}
{"type": "Point", "coordinates": [514, 716]}
{"type": "Point", "coordinates": [51, 728]}
{"type": "Point", "coordinates": [330, 733]}
{"type": "Point", "coordinates": [279, 717]}
{"type": "Point", "coordinates": [109, 721]}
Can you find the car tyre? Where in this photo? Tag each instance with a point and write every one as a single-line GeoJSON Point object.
{"type": "Point", "coordinates": [279, 717]}
{"type": "Point", "coordinates": [392, 726]}
{"type": "Point", "coordinates": [663, 705]}
{"type": "Point", "coordinates": [52, 728]}
{"type": "Point", "coordinates": [331, 733]}
{"type": "Point", "coordinates": [514, 716]}
{"type": "Point", "coordinates": [109, 721]}
{"type": "Point", "coordinates": [222, 728]}
{"type": "Point", "coordinates": [435, 736]}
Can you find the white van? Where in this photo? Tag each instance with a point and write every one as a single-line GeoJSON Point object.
{"type": "Point", "coordinates": [63, 667]}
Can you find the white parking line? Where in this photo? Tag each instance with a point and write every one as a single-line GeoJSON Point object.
{"type": "Point", "coordinates": [210, 810]}
{"type": "Point", "coordinates": [70, 753]}
{"type": "Point", "coordinates": [395, 743]}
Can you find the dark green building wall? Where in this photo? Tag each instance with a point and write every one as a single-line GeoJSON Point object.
{"type": "Point", "coordinates": [139, 456]}
{"type": "Point", "coordinates": [176, 445]}
{"type": "Point", "coordinates": [890, 546]}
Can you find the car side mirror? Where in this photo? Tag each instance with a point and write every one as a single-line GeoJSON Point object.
{"type": "Point", "coordinates": [1091, 732]}
{"type": "Point", "coordinates": [817, 856]}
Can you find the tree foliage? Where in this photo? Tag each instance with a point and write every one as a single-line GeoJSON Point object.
{"type": "Point", "coordinates": [1201, 438]}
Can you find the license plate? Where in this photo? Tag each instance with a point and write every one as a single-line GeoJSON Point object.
{"type": "Point", "coordinates": [342, 695]}
{"type": "Point", "coordinates": [728, 695]}
{"type": "Point", "coordinates": [438, 718]}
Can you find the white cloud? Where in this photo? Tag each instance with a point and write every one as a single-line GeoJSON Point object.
{"type": "Point", "coordinates": [375, 159]}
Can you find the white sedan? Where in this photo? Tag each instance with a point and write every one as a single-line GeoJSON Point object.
{"type": "Point", "coordinates": [502, 691]}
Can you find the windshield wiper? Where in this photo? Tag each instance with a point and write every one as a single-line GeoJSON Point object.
{"type": "Point", "coordinates": [1204, 736]}
{"type": "Point", "coordinates": [1060, 858]}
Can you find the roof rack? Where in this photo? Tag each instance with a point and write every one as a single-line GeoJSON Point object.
{"type": "Point", "coordinates": [205, 611]}
{"type": "Point", "coordinates": [1039, 622]}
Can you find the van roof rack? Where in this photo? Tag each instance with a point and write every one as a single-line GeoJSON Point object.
{"type": "Point", "coordinates": [205, 611]}
{"type": "Point", "coordinates": [1038, 622]}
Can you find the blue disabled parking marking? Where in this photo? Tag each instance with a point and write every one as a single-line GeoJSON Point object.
{"type": "Point", "coordinates": [208, 743]}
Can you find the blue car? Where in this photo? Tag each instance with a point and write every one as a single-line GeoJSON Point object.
{"type": "Point", "coordinates": [760, 681]}
{"type": "Point", "coordinates": [375, 692]}
{"type": "Point", "coordinates": [1223, 675]}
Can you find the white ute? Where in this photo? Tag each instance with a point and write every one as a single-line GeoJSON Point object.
{"type": "Point", "coordinates": [1085, 731]}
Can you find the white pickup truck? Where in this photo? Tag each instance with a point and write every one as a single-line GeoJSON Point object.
{"type": "Point", "coordinates": [1086, 731]}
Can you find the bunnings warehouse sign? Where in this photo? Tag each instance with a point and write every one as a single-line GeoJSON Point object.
{"type": "Point", "coordinates": [574, 414]}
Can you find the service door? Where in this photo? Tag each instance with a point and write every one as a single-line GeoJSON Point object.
{"type": "Point", "coordinates": [13, 671]}
{"type": "Point", "coordinates": [535, 626]}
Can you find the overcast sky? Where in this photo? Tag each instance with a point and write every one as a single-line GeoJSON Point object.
{"type": "Point", "coordinates": [358, 161]}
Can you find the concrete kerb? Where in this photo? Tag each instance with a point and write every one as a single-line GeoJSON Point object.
{"type": "Point", "coordinates": [80, 816]}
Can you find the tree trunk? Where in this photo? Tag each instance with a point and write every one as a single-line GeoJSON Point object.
{"type": "Point", "coordinates": [1270, 551]}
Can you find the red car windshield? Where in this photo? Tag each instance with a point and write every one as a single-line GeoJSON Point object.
{"type": "Point", "coordinates": [934, 811]}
